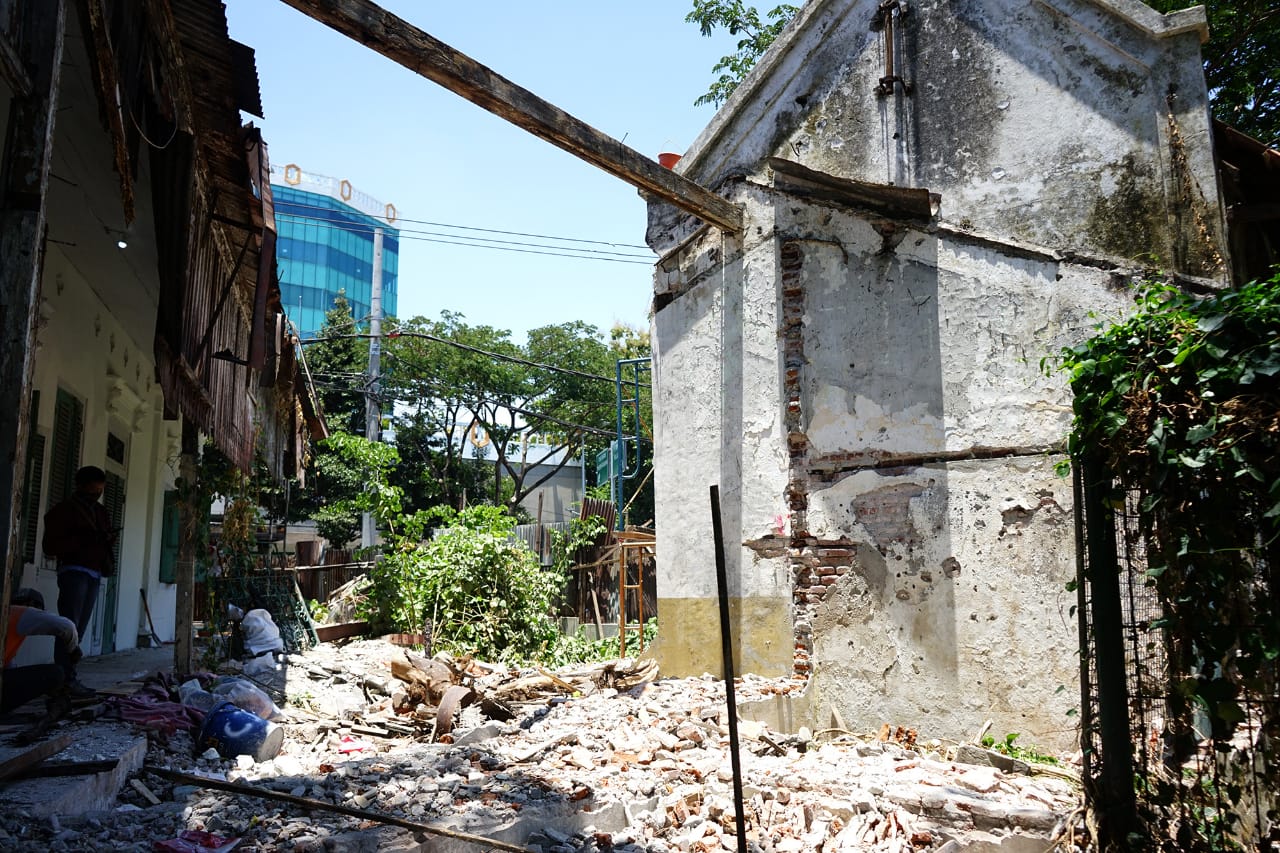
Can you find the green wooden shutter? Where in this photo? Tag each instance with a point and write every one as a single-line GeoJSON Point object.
{"type": "Point", "coordinates": [113, 500]}
{"type": "Point", "coordinates": [68, 425]}
{"type": "Point", "coordinates": [31, 502]}
{"type": "Point", "coordinates": [169, 538]}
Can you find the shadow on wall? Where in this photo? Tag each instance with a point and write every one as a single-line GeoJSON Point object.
{"type": "Point", "coordinates": [877, 590]}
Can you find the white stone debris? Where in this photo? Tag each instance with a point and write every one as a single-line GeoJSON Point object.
{"type": "Point", "coordinates": [644, 768]}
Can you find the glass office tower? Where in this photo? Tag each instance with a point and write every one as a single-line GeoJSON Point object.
{"type": "Point", "coordinates": [325, 238]}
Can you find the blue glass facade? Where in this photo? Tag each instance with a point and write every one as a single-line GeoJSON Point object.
{"type": "Point", "coordinates": [324, 246]}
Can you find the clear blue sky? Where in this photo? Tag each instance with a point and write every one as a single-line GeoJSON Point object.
{"type": "Point", "coordinates": [629, 69]}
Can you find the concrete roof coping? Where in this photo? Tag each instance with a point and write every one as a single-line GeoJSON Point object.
{"type": "Point", "coordinates": [1156, 24]}
{"type": "Point", "coordinates": [1136, 13]}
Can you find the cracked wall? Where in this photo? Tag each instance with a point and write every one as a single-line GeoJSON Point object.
{"type": "Point", "coordinates": [866, 387]}
{"type": "Point", "coordinates": [876, 418]}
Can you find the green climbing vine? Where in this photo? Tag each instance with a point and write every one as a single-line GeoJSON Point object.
{"type": "Point", "coordinates": [1181, 405]}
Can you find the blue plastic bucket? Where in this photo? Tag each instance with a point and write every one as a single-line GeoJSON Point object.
{"type": "Point", "coordinates": [233, 731]}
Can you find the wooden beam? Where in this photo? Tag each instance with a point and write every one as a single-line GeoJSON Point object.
{"type": "Point", "coordinates": [27, 759]}
{"type": "Point", "coordinates": [109, 91]}
{"type": "Point", "coordinates": [11, 67]}
{"type": "Point", "coordinates": [24, 190]}
{"type": "Point", "coordinates": [190, 516]}
{"type": "Point", "coordinates": [323, 805]}
{"type": "Point", "coordinates": [400, 41]}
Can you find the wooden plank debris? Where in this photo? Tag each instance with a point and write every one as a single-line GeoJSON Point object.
{"type": "Point", "coordinates": [29, 758]}
{"type": "Point", "coordinates": [308, 803]}
{"type": "Point", "coordinates": [398, 40]}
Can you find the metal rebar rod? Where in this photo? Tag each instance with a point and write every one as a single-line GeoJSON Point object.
{"type": "Point", "coordinates": [726, 644]}
{"type": "Point", "coordinates": [306, 802]}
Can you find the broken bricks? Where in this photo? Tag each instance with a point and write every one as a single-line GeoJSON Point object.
{"type": "Point", "coordinates": [604, 769]}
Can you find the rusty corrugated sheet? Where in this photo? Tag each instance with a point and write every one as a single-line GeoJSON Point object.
{"type": "Point", "coordinates": [244, 68]}
{"type": "Point", "coordinates": [206, 316]}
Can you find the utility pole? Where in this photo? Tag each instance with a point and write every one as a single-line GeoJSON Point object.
{"type": "Point", "coordinates": [373, 405]}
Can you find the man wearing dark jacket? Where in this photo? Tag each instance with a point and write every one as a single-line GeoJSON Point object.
{"type": "Point", "coordinates": [79, 534]}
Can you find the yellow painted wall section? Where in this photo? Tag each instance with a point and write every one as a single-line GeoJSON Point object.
{"type": "Point", "coordinates": [689, 644]}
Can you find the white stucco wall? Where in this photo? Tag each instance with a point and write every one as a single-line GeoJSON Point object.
{"type": "Point", "coordinates": [897, 362]}
{"type": "Point", "coordinates": [85, 349]}
{"type": "Point", "coordinates": [1075, 124]}
{"type": "Point", "coordinates": [928, 345]}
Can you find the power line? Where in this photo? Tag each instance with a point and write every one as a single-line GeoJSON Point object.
{"type": "Point", "coordinates": [446, 389]}
{"type": "Point", "coordinates": [500, 356]}
{"type": "Point", "coordinates": [473, 228]}
{"type": "Point", "coordinates": [510, 407]}
{"type": "Point", "coordinates": [342, 224]}
{"type": "Point", "coordinates": [571, 253]}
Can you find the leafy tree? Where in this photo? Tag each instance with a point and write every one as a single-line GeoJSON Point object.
{"type": "Point", "coordinates": [1241, 63]}
{"type": "Point", "coordinates": [739, 19]}
{"type": "Point", "coordinates": [337, 361]}
{"type": "Point", "coordinates": [463, 383]}
{"type": "Point", "coordinates": [1179, 407]}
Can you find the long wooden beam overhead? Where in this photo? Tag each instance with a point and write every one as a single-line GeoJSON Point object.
{"type": "Point", "coordinates": [400, 41]}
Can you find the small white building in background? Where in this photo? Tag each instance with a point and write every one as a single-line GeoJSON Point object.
{"type": "Point", "coordinates": [557, 498]}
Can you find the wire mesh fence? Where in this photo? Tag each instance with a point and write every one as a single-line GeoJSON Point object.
{"type": "Point", "coordinates": [1162, 772]}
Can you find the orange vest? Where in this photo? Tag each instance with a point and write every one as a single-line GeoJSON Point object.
{"type": "Point", "coordinates": [12, 639]}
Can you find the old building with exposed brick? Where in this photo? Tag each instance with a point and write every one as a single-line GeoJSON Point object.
{"type": "Point", "coordinates": [938, 196]}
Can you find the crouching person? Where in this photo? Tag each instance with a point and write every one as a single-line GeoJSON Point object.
{"type": "Point", "coordinates": [21, 684]}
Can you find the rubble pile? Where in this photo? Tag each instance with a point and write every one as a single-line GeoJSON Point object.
{"type": "Point", "coordinates": [592, 758]}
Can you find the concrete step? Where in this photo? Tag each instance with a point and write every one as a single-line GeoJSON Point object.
{"type": "Point", "coordinates": [74, 795]}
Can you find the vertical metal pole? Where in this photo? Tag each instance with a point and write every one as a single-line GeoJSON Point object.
{"type": "Point", "coordinates": [726, 645]}
{"type": "Point", "coordinates": [1116, 792]}
{"type": "Point", "coordinates": [615, 476]}
{"type": "Point", "coordinates": [373, 403]}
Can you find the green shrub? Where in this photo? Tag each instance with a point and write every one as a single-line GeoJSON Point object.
{"type": "Point", "coordinates": [481, 592]}
{"type": "Point", "coordinates": [577, 648]}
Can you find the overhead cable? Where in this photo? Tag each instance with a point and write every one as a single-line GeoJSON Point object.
{"type": "Point", "coordinates": [473, 228]}
{"type": "Point", "coordinates": [500, 356]}
{"type": "Point", "coordinates": [569, 251]}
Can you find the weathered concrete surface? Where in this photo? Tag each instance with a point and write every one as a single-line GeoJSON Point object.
{"type": "Point", "coordinates": [1077, 124]}
{"type": "Point", "coordinates": [955, 610]}
{"type": "Point", "coordinates": [762, 636]}
{"type": "Point", "coordinates": [864, 381]}
{"type": "Point", "coordinates": [721, 426]}
{"type": "Point", "coordinates": [74, 795]}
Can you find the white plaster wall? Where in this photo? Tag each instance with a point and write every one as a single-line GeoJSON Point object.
{"type": "Point", "coordinates": [84, 348]}
{"type": "Point", "coordinates": [969, 620]}
{"type": "Point", "coordinates": [1056, 122]}
{"type": "Point", "coordinates": [937, 346]}
{"type": "Point", "coordinates": [717, 378]}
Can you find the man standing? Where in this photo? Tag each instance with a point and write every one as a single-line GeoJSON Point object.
{"type": "Point", "coordinates": [79, 534]}
{"type": "Point", "coordinates": [23, 683]}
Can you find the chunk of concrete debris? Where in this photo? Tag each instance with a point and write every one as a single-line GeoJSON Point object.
{"type": "Point", "coordinates": [969, 754]}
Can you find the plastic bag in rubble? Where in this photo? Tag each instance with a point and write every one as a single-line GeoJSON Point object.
{"type": "Point", "coordinates": [192, 694]}
{"type": "Point", "coordinates": [260, 633]}
{"type": "Point", "coordinates": [246, 696]}
{"type": "Point", "coordinates": [263, 665]}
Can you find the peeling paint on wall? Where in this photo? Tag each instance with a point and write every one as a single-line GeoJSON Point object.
{"type": "Point", "coordinates": [878, 378]}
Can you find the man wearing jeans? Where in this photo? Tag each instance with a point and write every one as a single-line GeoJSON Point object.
{"type": "Point", "coordinates": [79, 534]}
